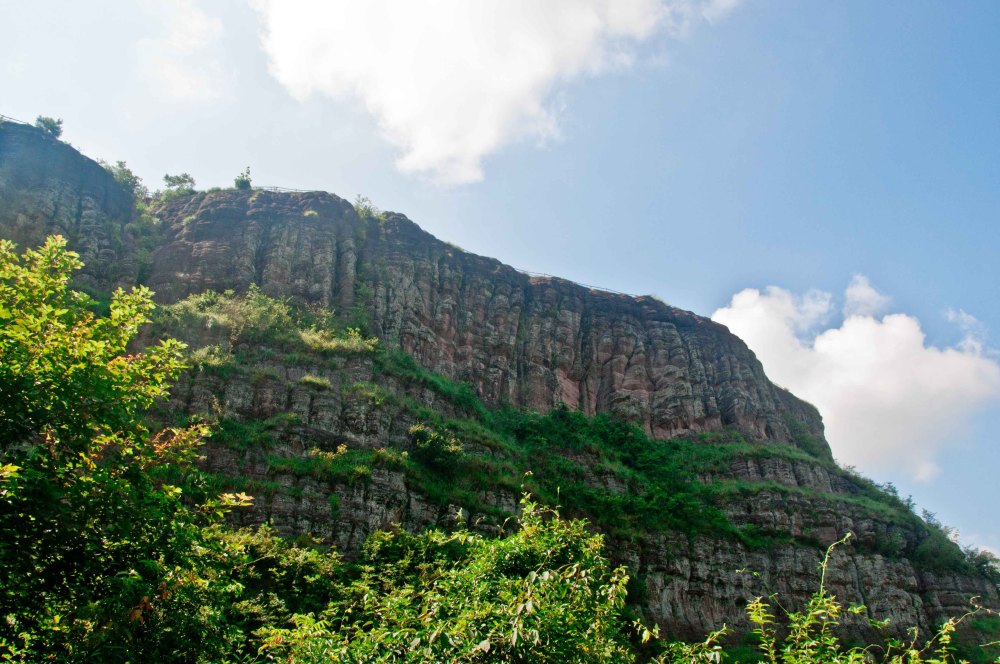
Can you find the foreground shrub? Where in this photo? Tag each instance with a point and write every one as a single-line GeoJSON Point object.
{"type": "Point", "coordinates": [810, 636]}
{"type": "Point", "coordinates": [543, 594]}
{"type": "Point", "coordinates": [93, 538]}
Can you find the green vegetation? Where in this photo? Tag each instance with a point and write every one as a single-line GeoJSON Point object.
{"type": "Point", "coordinates": [440, 451]}
{"type": "Point", "coordinates": [366, 209]}
{"type": "Point", "coordinates": [402, 365]}
{"type": "Point", "coordinates": [52, 126]}
{"type": "Point", "coordinates": [243, 180]}
{"type": "Point", "coordinates": [806, 441]}
{"type": "Point", "coordinates": [543, 594]}
{"type": "Point", "coordinates": [259, 321]}
{"type": "Point", "coordinates": [255, 434]}
{"type": "Point", "coordinates": [315, 382]}
{"type": "Point", "coordinates": [90, 533]}
{"type": "Point", "coordinates": [176, 186]}
{"type": "Point", "coordinates": [341, 466]}
{"type": "Point", "coordinates": [809, 636]}
{"type": "Point", "coordinates": [124, 176]}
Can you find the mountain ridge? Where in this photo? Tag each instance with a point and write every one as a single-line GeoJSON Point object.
{"type": "Point", "coordinates": [445, 319]}
{"type": "Point", "coordinates": [532, 342]}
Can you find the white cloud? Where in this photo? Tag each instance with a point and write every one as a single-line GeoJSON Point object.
{"type": "Point", "coordinates": [887, 398]}
{"type": "Point", "coordinates": [451, 81]}
{"type": "Point", "coordinates": [973, 329]}
{"type": "Point", "coordinates": [715, 10]}
{"type": "Point", "coordinates": [182, 62]}
{"type": "Point", "coordinates": [861, 299]}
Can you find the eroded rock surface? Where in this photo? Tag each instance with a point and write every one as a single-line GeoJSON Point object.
{"type": "Point", "coordinates": [521, 340]}
{"type": "Point", "coordinates": [47, 188]}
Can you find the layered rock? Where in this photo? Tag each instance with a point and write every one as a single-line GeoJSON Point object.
{"type": "Point", "coordinates": [521, 340]}
{"type": "Point", "coordinates": [689, 584]}
{"type": "Point", "coordinates": [47, 188]}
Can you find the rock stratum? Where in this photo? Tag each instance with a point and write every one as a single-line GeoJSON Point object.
{"type": "Point", "coordinates": [521, 343]}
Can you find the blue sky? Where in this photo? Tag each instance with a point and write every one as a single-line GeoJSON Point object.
{"type": "Point", "coordinates": [751, 160]}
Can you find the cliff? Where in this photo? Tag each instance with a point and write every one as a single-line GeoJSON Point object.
{"type": "Point", "coordinates": [47, 187]}
{"type": "Point", "coordinates": [527, 341]}
{"type": "Point", "coordinates": [725, 471]}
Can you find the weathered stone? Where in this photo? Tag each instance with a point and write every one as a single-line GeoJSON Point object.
{"type": "Point", "coordinates": [48, 188]}
{"type": "Point", "coordinates": [516, 339]}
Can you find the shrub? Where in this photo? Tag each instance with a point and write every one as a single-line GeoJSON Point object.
{"type": "Point", "coordinates": [365, 208]}
{"type": "Point", "coordinates": [543, 594]}
{"type": "Point", "coordinates": [251, 434]}
{"type": "Point", "coordinates": [326, 341]}
{"type": "Point", "coordinates": [94, 535]}
{"type": "Point", "coordinates": [243, 180]}
{"type": "Point", "coordinates": [390, 457]}
{"type": "Point", "coordinates": [438, 450]}
{"type": "Point", "coordinates": [180, 183]}
{"type": "Point", "coordinates": [124, 176]}
{"type": "Point", "coordinates": [176, 186]}
{"type": "Point", "coordinates": [52, 126]}
{"type": "Point", "coordinates": [401, 364]}
{"type": "Point", "coordinates": [809, 636]}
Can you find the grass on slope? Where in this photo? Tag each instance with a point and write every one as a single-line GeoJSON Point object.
{"type": "Point", "coordinates": [627, 484]}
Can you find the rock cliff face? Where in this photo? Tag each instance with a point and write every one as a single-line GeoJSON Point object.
{"type": "Point", "coordinates": [518, 340]}
{"type": "Point", "coordinates": [527, 341]}
{"type": "Point", "coordinates": [689, 584]}
{"type": "Point", "coordinates": [47, 187]}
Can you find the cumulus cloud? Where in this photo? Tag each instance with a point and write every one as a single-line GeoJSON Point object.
{"type": "Point", "coordinates": [451, 81]}
{"type": "Point", "coordinates": [182, 62]}
{"type": "Point", "coordinates": [888, 399]}
{"type": "Point", "coordinates": [861, 298]}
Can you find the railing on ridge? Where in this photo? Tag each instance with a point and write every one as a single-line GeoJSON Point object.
{"type": "Point", "coordinates": [283, 189]}
{"type": "Point", "coordinates": [7, 118]}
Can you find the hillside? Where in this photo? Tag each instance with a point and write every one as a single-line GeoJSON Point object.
{"type": "Point", "coordinates": [360, 373]}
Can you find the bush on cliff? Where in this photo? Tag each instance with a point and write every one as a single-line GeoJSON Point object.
{"type": "Point", "coordinates": [243, 181]}
{"type": "Point", "coordinates": [543, 594]}
{"type": "Point", "coordinates": [52, 126]}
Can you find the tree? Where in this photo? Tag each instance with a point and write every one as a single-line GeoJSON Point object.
{"type": "Point", "coordinates": [365, 208]}
{"type": "Point", "coordinates": [179, 183]}
{"type": "Point", "coordinates": [242, 180]}
{"type": "Point", "coordinates": [94, 536]}
{"type": "Point", "coordinates": [124, 176]}
{"type": "Point", "coordinates": [51, 126]}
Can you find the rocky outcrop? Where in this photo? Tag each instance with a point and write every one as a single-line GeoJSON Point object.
{"type": "Point", "coordinates": [522, 340]}
{"type": "Point", "coordinates": [527, 341]}
{"type": "Point", "coordinates": [689, 584]}
{"type": "Point", "coordinates": [47, 187]}
{"type": "Point", "coordinates": [692, 586]}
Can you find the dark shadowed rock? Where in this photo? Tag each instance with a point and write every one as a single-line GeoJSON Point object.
{"type": "Point", "coordinates": [47, 187]}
